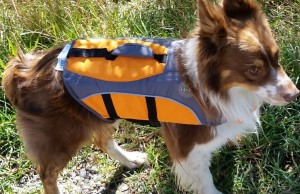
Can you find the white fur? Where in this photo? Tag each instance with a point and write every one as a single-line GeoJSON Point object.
{"type": "Point", "coordinates": [241, 113]}
{"type": "Point", "coordinates": [283, 79]}
{"type": "Point", "coordinates": [270, 95]}
{"type": "Point", "coordinates": [193, 173]}
{"type": "Point", "coordinates": [273, 92]}
{"type": "Point", "coordinates": [128, 159]}
{"type": "Point", "coordinates": [241, 106]}
{"type": "Point", "coordinates": [190, 62]}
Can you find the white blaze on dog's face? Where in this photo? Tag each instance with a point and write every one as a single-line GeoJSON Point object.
{"type": "Point", "coordinates": [238, 50]}
{"type": "Point", "coordinates": [280, 90]}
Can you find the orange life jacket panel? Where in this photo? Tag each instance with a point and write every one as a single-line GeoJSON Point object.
{"type": "Point", "coordinates": [135, 79]}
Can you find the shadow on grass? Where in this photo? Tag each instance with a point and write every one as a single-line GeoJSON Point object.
{"type": "Point", "coordinates": [222, 169]}
{"type": "Point", "coordinates": [117, 179]}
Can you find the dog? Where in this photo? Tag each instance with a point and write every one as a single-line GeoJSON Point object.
{"type": "Point", "coordinates": [230, 65]}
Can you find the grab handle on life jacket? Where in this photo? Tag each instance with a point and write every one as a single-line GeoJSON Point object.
{"type": "Point", "coordinates": [133, 50]}
{"type": "Point", "coordinates": [138, 50]}
{"type": "Point", "coordinates": [111, 49]}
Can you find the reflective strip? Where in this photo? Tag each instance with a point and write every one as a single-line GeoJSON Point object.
{"type": "Point", "coordinates": [61, 63]}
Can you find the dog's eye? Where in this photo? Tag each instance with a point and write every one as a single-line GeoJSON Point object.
{"type": "Point", "coordinates": [253, 71]}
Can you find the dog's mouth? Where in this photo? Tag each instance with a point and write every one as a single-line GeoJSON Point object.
{"type": "Point", "coordinates": [281, 99]}
{"type": "Point", "coordinates": [275, 102]}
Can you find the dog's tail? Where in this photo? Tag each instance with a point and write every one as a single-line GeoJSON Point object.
{"type": "Point", "coordinates": [21, 78]}
{"type": "Point", "coordinates": [16, 73]}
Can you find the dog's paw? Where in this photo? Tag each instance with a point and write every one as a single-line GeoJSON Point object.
{"type": "Point", "coordinates": [134, 159]}
{"type": "Point", "coordinates": [211, 190]}
{"type": "Point", "coordinates": [217, 192]}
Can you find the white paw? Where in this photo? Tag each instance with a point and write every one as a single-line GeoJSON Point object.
{"type": "Point", "coordinates": [128, 159]}
{"type": "Point", "coordinates": [60, 190]}
{"type": "Point", "coordinates": [134, 159]}
{"type": "Point", "coordinates": [211, 190]}
{"type": "Point", "coordinates": [217, 192]}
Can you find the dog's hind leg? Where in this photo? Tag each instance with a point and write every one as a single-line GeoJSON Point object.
{"type": "Point", "coordinates": [105, 141]}
{"type": "Point", "coordinates": [50, 143]}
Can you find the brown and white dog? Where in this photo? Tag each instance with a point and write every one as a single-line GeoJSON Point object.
{"type": "Point", "coordinates": [230, 64]}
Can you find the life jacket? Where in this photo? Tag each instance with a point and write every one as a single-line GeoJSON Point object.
{"type": "Point", "coordinates": [134, 79]}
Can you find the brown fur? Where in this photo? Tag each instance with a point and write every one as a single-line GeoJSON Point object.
{"type": "Point", "coordinates": [222, 31]}
{"type": "Point", "coordinates": [53, 126]}
{"type": "Point", "coordinates": [180, 139]}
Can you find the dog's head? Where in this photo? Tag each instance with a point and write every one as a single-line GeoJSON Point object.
{"type": "Point", "coordinates": [237, 50]}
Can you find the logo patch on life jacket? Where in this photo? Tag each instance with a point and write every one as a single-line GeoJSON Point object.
{"type": "Point", "coordinates": [184, 90]}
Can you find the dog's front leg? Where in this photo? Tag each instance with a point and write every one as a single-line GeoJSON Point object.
{"type": "Point", "coordinates": [190, 148]}
{"type": "Point", "coordinates": [193, 173]}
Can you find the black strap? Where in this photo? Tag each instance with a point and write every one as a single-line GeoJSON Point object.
{"type": "Point", "coordinates": [110, 106]}
{"type": "Point", "coordinates": [152, 113]}
{"type": "Point", "coordinates": [87, 53]}
{"type": "Point", "coordinates": [161, 58]}
{"type": "Point", "coordinates": [103, 52]}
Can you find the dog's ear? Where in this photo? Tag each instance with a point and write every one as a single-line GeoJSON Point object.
{"type": "Point", "coordinates": [240, 9]}
{"type": "Point", "coordinates": [211, 19]}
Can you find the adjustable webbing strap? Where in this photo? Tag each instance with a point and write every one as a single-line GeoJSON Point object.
{"type": "Point", "coordinates": [151, 107]}
{"type": "Point", "coordinates": [160, 58]}
{"type": "Point", "coordinates": [87, 53]}
{"type": "Point", "coordinates": [110, 106]}
{"type": "Point", "coordinates": [103, 52]}
{"type": "Point", "coordinates": [152, 113]}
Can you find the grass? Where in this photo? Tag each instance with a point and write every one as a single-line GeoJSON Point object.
{"type": "Point", "coordinates": [268, 163]}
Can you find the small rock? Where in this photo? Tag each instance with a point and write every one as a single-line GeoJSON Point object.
{"type": "Point", "coordinates": [82, 173]}
{"type": "Point", "coordinates": [94, 168]}
{"type": "Point", "coordinates": [124, 187]}
{"type": "Point", "coordinates": [86, 187]}
{"type": "Point", "coordinates": [77, 178]}
{"type": "Point", "coordinates": [73, 175]}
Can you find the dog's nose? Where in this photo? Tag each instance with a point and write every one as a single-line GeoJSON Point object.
{"type": "Point", "coordinates": [289, 97]}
